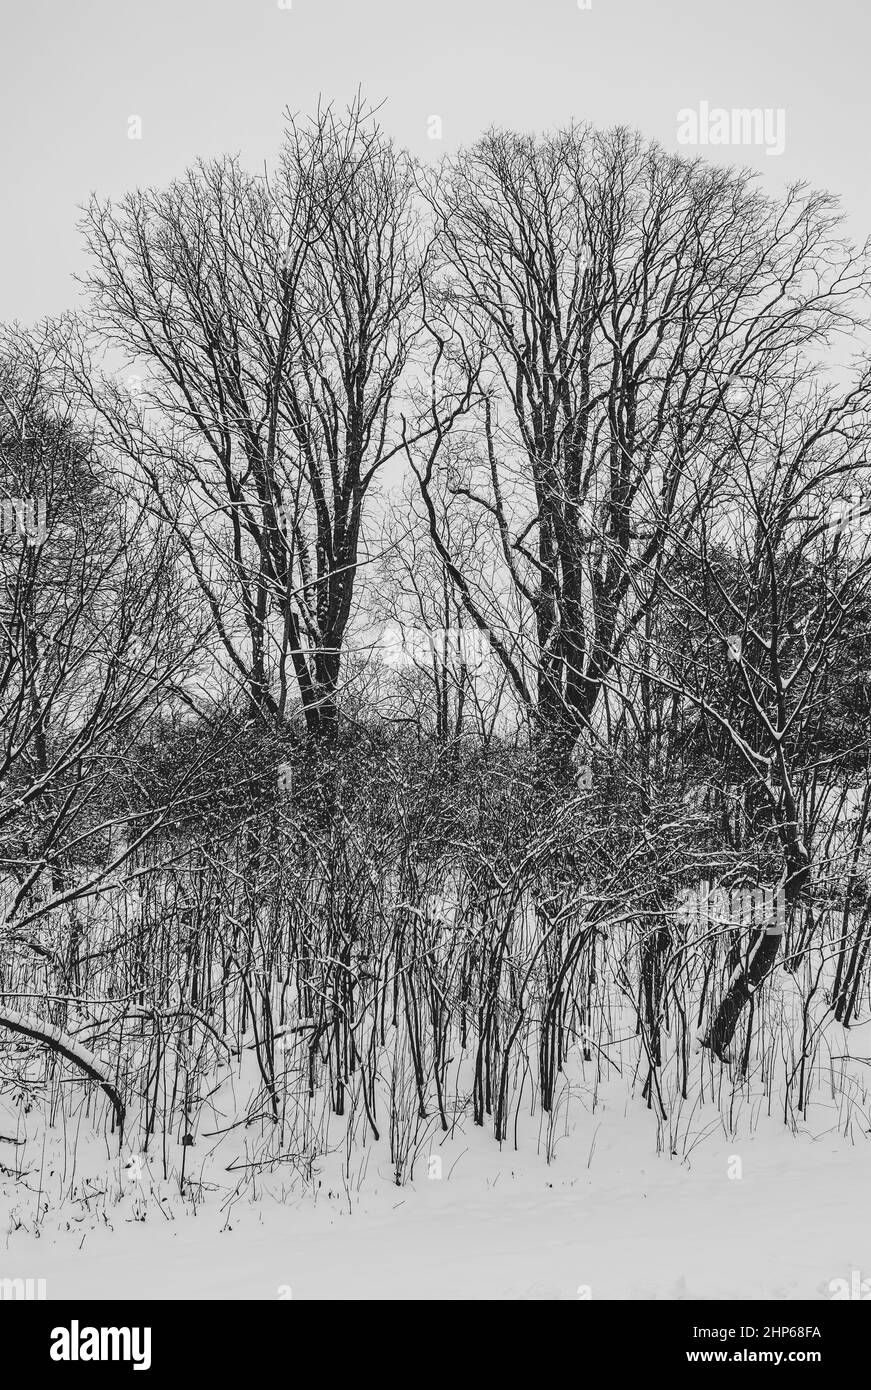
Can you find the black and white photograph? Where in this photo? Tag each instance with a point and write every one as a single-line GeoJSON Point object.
{"type": "Point", "coordinates": [435, 672]}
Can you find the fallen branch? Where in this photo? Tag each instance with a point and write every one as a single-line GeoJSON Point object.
{"type": "Point", "coordinates": [29, 1026]}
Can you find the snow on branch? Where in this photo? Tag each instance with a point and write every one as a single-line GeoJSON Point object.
{"type": "Point", "coordinates": [29, 1026]}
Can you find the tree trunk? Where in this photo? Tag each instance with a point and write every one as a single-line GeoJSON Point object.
{"type": "Point", "coordinates": [760, 960]}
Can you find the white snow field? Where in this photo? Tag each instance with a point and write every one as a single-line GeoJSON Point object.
{"type": "Point", "coordinates": [772, 1211]}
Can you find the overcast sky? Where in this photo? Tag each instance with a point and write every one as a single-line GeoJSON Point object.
{"type": "Point", "coordinates": [206, 76]}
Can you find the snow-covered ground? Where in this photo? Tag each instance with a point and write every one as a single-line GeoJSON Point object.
{"type": "Point", "coordinates": [735, 1194]}
{"type": "Point", "coordinates": [607, 1218]}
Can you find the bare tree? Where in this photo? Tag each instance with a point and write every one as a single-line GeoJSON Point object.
{"type": "Point", "coordinates": [273, 316]}
{"type": "Point", "coordinates": [772, 609]}
{"type": "Point", "coordinates": [93, 638]}
{"type": "Point", "coordinates": [627, 300]}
